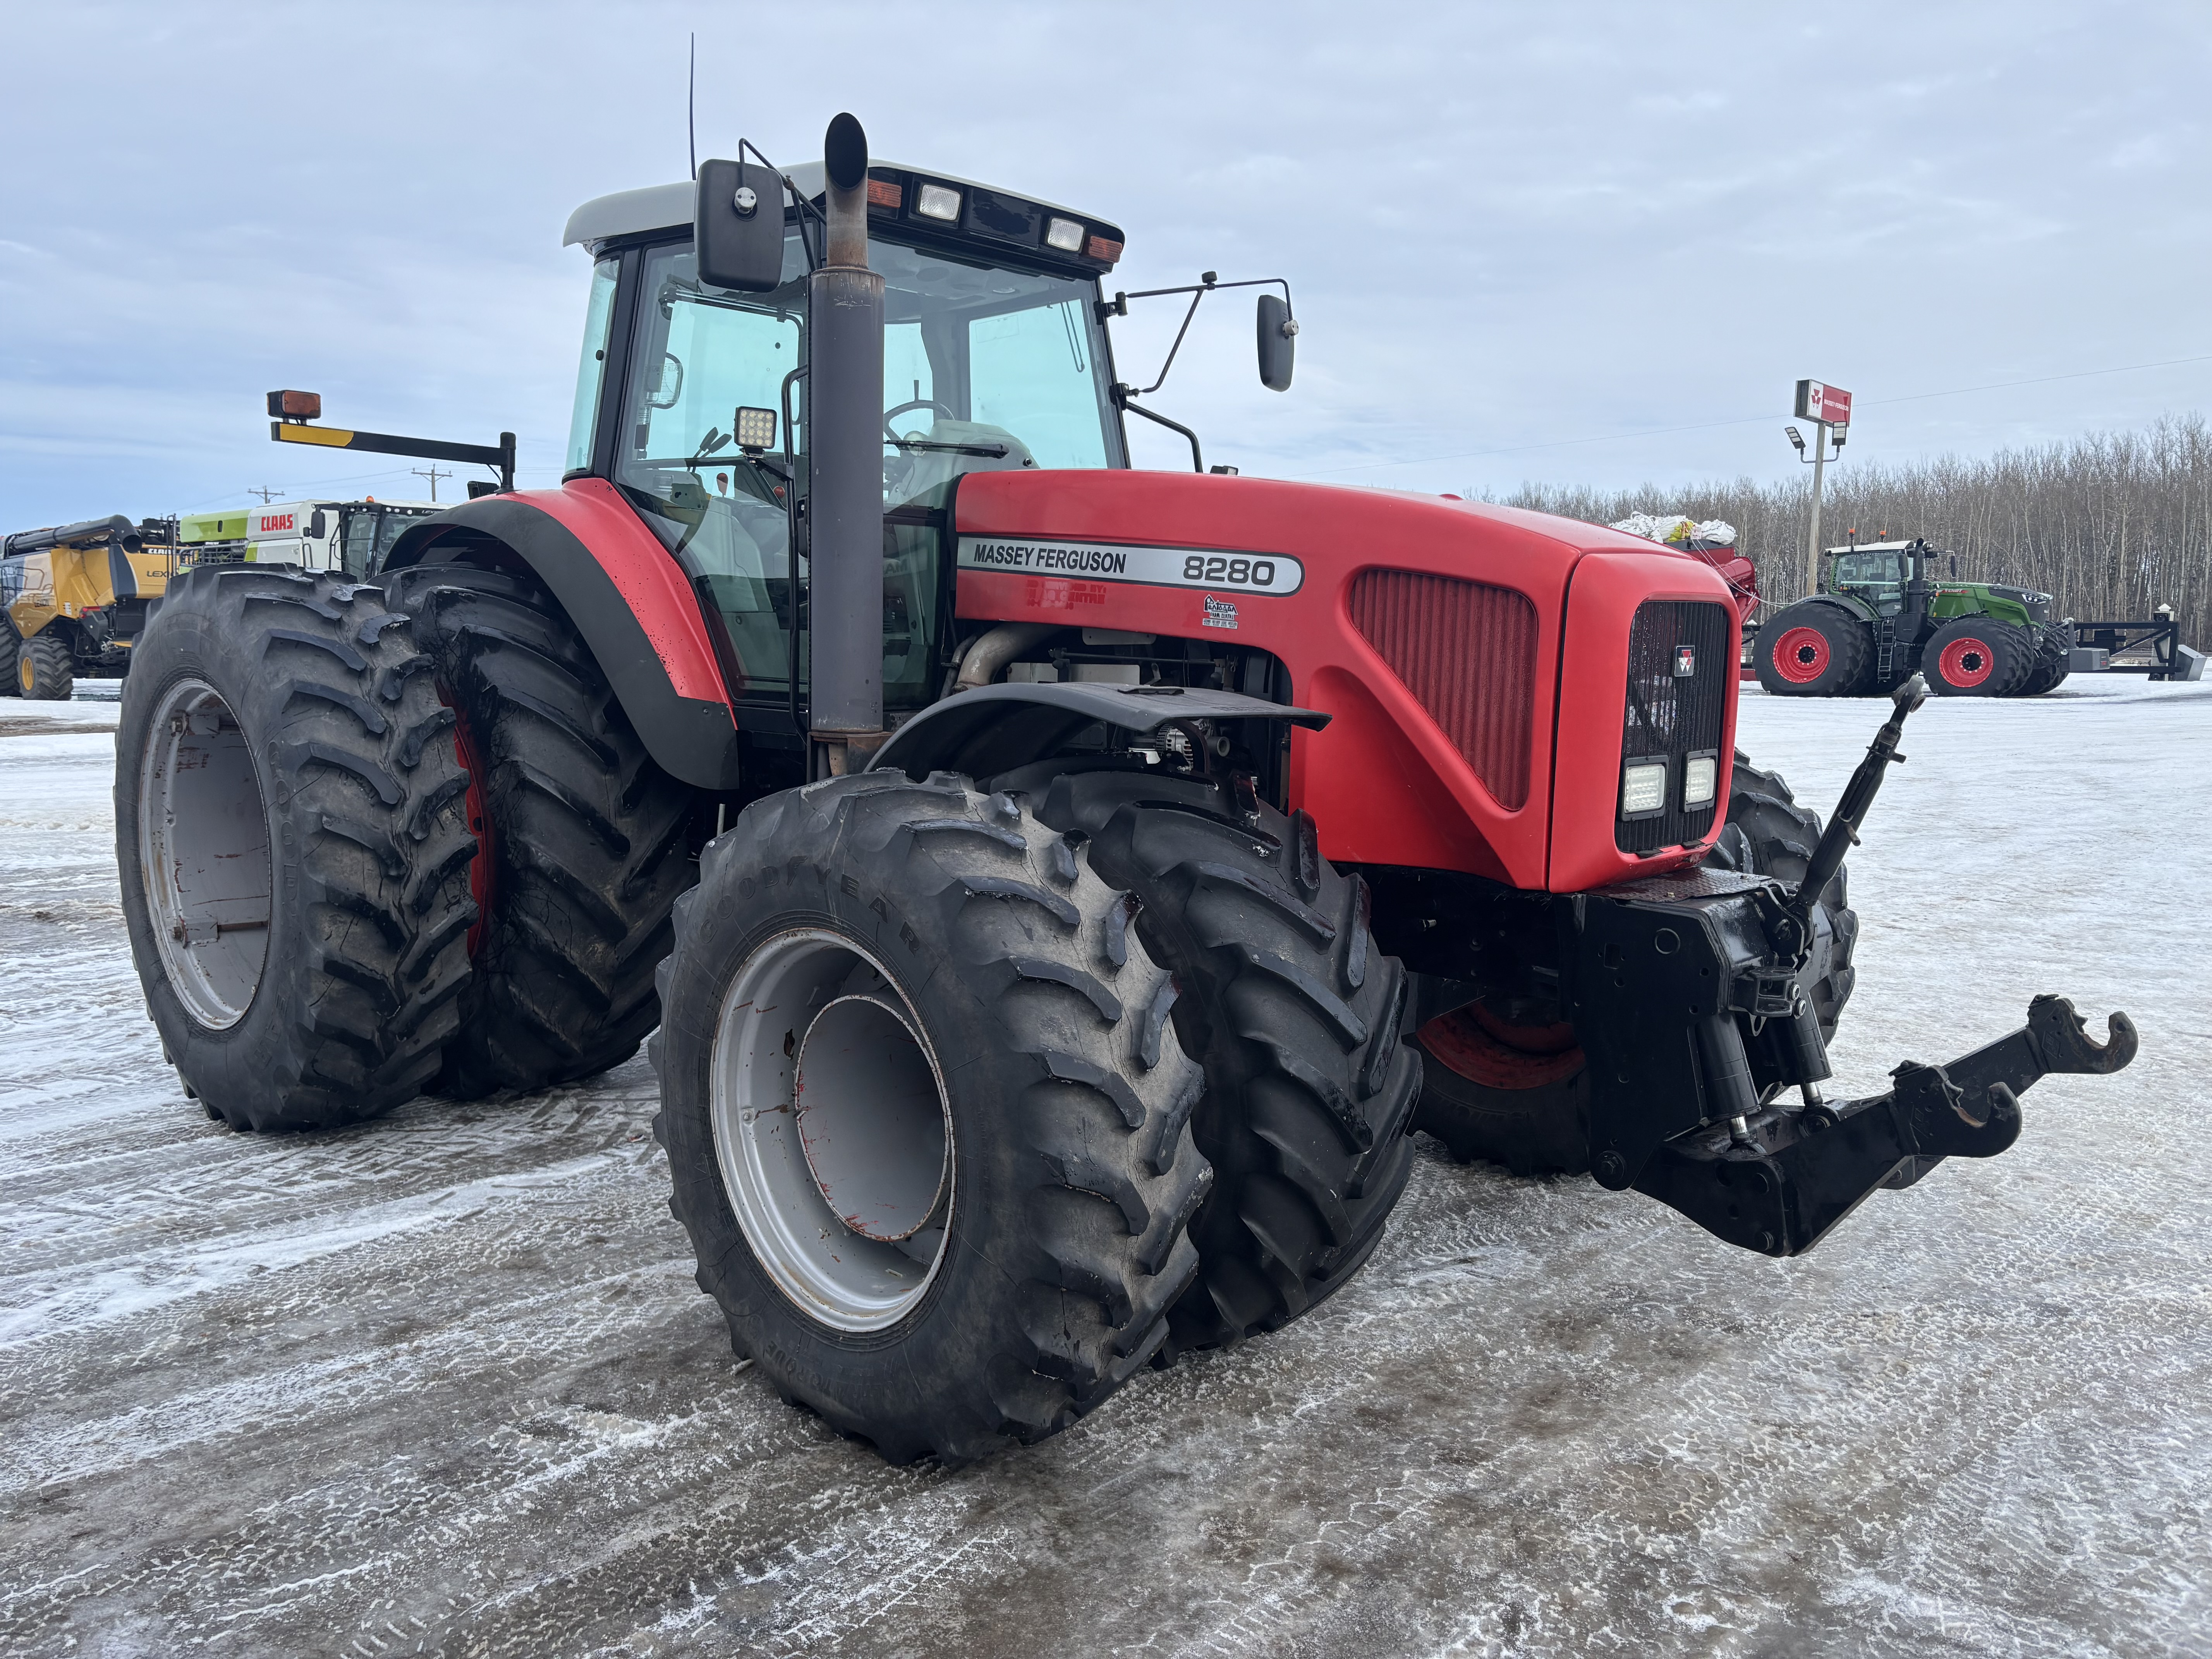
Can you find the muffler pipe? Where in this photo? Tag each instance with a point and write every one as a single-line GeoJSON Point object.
{"type": "Point", "coordinates": [845, 495]}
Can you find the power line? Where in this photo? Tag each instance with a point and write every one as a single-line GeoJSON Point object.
{"type": "Point", "coordinates": [1755, 420]}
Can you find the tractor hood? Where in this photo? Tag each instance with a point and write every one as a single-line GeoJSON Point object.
{"type": "Point", "coordinates": [1468, 713]}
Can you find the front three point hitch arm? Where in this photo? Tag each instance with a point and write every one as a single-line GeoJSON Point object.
{"type": "Point", "coordinates": [1687, 991]}
{"type": "Point", "coordinates": [1783, 1186]}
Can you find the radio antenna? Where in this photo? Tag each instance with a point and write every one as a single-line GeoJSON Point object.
{"type": "Point", "coordinates": [691, 108]}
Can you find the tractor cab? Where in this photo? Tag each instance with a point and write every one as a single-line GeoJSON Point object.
{"type": "Point", "coordinates": [1878, 574]}
{"type": "Point", "coordinates": [693, 399]}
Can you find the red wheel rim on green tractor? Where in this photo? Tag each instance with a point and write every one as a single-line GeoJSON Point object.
{"type": "Point", "coordinates": [1966, 663]}
{"type": "Point", "coordinates": [1801, 656]}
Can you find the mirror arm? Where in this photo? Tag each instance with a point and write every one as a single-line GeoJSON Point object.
{"type": "Point", "coordinates": [1119, 307]}
{"type": "Point", "coordinates": [806, 207]}
{"type": "Point", "coordinates": [1122, 394]}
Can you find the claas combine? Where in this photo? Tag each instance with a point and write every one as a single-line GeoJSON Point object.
{"type": "Point", "coordinates": [1054, 892]}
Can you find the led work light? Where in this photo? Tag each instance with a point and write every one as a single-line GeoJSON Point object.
{"type": "Point", "coordinates": [1700, 781]}
{"type": "Point", "coordinates": [1643, 788]}
{"type": "Point", "coordinates": [755, 429]}
{"type": "Point", "coordinates": [938, 202]}
{"type": "Point", "coordinates": [1066, 235]}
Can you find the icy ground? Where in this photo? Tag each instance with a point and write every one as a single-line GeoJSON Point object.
{"type": "Point", "coordinates": [443, 1384]}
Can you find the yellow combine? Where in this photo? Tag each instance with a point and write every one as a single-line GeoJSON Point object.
{"type": "Point", "coordinates": [73, 599]}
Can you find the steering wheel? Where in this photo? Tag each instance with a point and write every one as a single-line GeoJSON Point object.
{"type": "Point", "coordinates": [890, 415]}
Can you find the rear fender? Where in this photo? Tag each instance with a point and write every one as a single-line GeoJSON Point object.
{"type": "Point", "coordinates": [629, 599]}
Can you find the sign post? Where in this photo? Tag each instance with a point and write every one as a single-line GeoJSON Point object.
{"type": "Point", "coordinates": [1829, 408]}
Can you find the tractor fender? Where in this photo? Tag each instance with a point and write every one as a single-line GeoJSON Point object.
{"type": "Point", "coordinates": [626, 596]}
{"type": "Point", "coordinates": [1850, 607]}
{"type": "Point", "coordinates": [995, 728]}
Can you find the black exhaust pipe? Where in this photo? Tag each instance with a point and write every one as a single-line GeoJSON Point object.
{"type": "Point", "coordinates": [845, 507]}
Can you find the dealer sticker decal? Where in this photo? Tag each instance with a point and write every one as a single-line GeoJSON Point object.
{"type": "Point", "coordinates": [1152, 567]}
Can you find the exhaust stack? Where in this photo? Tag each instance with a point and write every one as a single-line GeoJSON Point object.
{"type": "Point", "coordinates": [844, 407]}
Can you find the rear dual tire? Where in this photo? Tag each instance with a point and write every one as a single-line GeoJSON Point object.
{"type": "Point", "coordinates": [588, 841]}
{"type": "Point", "coordinates": [1813, 649]}
{"type": "Point", "coordinates": [293, 847]}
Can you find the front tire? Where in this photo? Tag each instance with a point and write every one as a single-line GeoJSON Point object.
{"type": "Point", "coordinates": [1294, 1014]}
{"type": "Point", "coordinates": [293, 849]}
{"type": "Point", "coordinates": [45, 668]}
{"type": "Point", "coordinates": [1977, 657]}
{"type": "Point", "coordinates": [964, 1225]}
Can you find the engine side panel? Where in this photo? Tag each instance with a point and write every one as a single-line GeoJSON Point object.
{"type": "Point", "coordinates": [628, 598]}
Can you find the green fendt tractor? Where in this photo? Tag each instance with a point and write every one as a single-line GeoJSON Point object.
{"type": "Point", "coordinates": [1880, 616]}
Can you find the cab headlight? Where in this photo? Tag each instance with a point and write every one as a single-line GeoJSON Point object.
{"type": "Point", "coordinates": [1643, 788]}
{"type": "Point", "coordinates": [938, 202]}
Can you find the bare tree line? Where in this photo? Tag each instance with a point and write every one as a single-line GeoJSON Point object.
{"type": "Point", "coordinates": [2110, 525]}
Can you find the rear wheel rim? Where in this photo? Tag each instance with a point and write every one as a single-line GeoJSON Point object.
{"type": "Point", "coordinates": [824, 1085]}
{"type": "Point", "coordinates": [1801, 655]}
{"type": "Point", "coordinates": [1966, 662]}
{"type": "Point", "coordinates": [27, 671]}
{"type": "Point", "coordinates": [203, 854]}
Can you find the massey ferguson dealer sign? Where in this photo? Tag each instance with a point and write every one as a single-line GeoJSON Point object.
{"type": "Point", "coordinates": [1818, 401]}
{"type": "Point", "coordinates": [1153, 567]}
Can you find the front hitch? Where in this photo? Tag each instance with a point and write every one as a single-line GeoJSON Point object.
{"type": "Point", "coordinates": [1800, 1170]}
{"type": "Point", "coordinates": [1686, 993]}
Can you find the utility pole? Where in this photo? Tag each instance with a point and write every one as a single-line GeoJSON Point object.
{"type": "Point", "coordinates": [1829, 408]}
{"type": "Point", "coordinates": [433, 474]}
{"type": "Point", "coordinates": [266, 494]}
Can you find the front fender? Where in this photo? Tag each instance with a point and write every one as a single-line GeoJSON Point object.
{"type": "Point", "coordinates": [628, 599]}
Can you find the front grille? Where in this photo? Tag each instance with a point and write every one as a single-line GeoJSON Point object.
{"type": "Point", "coordinates": [1468, 651]}
{"type": "Point", "coordinates": [1671, 717]}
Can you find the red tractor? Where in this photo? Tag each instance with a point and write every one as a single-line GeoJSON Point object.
{"type": "Point", "coordinates": [1060, 890]}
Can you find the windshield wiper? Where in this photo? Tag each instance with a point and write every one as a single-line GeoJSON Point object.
{"type": "Point", "coordinates": [957, 449]}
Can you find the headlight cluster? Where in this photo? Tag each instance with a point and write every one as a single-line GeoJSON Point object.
{"type": "Point", "coordinates": [1646, 783]}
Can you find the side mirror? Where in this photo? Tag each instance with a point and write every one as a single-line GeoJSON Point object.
{"type": "Point", "coordinates": [317, 526]}
{"type": "Point", "coordinates": [1279, 342]}
{"type": "Point", "coordinates": [737, 227]}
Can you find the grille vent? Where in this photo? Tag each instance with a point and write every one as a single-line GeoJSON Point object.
{"type": "Point", "coordinates": [1468, 651]}
{"type": "Point", "coordinates": [1673, 717]}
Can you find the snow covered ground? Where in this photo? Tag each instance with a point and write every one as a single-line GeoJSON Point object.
{"type": "Point", "coordinates": [443, 1384]}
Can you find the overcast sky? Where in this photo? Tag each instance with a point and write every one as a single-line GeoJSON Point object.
{"type": "Point", "coordinates": [1564, 242]}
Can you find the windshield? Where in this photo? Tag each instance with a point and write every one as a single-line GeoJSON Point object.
{"type": "Point", "coordinates": [984, 369]}
{"type": "Point", "coordinates": [369, 531]}
{"type": "Point", "coordinates": [1878, 578]}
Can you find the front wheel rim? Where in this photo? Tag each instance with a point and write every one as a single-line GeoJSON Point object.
{"type": "Point", "coordinates": [1967, 662]}
{"type": "Point", "coordinates": [824, 1083]}
{"type": "Point", "coordinates": [203, 853]}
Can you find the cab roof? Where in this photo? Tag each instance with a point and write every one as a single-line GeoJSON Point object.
{"type": "Point", "coordinates": [668, 207]}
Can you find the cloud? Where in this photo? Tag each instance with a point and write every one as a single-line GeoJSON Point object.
{"type": "Point", "coordinates": [1506, 226]}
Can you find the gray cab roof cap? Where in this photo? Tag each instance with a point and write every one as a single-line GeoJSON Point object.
{"type": "Point", "coordinates": [665, 207]}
